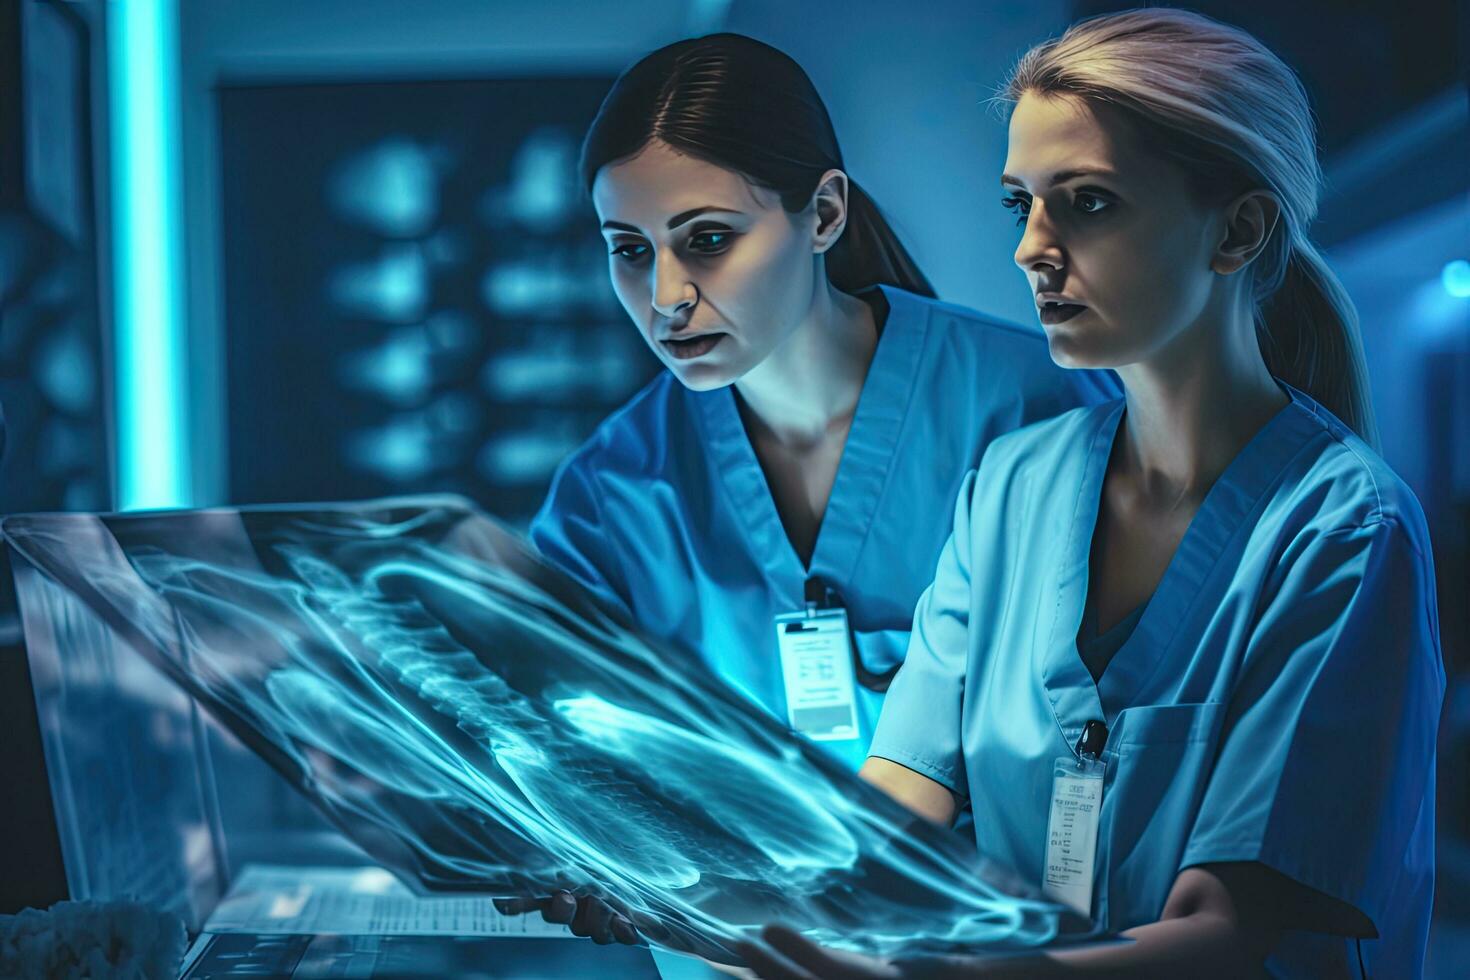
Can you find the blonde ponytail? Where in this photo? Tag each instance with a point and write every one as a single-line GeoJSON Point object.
{"type": "Point", "coordinates": [1308, 331]}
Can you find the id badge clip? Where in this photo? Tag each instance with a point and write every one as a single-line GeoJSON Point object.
{"type": "Point", "coordinates": [816, 666]}
{"type": "Point", "coordinates": [1071, 832]}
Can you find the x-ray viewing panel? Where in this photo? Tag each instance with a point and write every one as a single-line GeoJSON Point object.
{"type": "Point", "coordinates": [476, 722]}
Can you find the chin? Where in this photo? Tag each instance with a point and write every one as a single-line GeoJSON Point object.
{"type": "Point", "coordinates": [1078, 348]}
{"type": "Point", "coordinates": [701, 377]}
{"type": "Point", "coordinates": [1068, 351]}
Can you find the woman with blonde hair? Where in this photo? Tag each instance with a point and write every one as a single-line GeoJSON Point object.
{"type": "Point", "coordinates": [1193, 690]}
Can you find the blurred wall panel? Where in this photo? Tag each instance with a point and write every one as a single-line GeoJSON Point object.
{"type": "Point", "coordinates": [51, 377]}
{"type": "Point", "coordinates": [229, 42]}
{"type": "Point", "coordinates": [416, 294]}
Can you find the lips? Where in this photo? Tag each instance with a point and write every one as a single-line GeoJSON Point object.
{"type": "Point", "coordinates": [1052, 311]}
{"type": "Point", "coordinates": [686, 348]}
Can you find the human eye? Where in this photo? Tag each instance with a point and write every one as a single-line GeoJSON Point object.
{"type": "Point", "coordinates": [629, 251]}
{"type": "Point", "coordinates": [710, 241]}
{"type": "Point", "coordinates": [1089, 202]}
{"type": "Point", "coordinates": [1019, 205]}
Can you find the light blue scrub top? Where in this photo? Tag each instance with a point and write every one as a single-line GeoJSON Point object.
{"type": "Point", "coordinates": [1277, 701]}
{"type": "Point", "coordinates": [665, 511]}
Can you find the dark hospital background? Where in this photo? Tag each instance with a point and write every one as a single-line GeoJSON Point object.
{"type": "Point", "coordinates": [348, 238]}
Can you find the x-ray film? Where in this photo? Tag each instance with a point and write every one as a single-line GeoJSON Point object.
{"type": "Point", "coordinates": [477, 722]}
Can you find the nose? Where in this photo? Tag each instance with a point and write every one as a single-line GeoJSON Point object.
{"type": "Point", "coordinates": [1040, 252]}
{"type": "Point", "coordinates": [673, 293]}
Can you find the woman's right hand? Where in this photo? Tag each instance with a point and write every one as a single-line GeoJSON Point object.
{"type": "Point", "coordinates": [591, 918]}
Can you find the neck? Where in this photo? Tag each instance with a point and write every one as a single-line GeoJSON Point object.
{"type": "Point", "coordinates": [1193, 406]}
{"type": "Point", "coordinates": [811, 381]}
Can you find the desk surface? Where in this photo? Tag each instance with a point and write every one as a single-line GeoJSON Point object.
{"type": "Point", "coordinates": [300, 922]}
{"type": "Point", "coordinates": [301, 956]}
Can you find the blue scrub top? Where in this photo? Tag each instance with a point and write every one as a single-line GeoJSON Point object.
{"type": "Point", "coordinates": [1277, 701]}
{"type": "Point", "coordinates": [665, 511]}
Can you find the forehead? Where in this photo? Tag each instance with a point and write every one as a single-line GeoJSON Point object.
{"type": "Point", "coordinates": [658, 182]}
{"type": "Point", "coordinates": [1049, 134]}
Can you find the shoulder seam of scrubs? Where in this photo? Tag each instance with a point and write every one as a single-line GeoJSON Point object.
{"type": "Point", "coordinates": [1344, 437]}
{"type": "Point", "coordinates": [1368, 471]}
{"type": "Point", "coordinates": [1388, 522]}
{"type": "Point", "coordinates": [1365, 465]}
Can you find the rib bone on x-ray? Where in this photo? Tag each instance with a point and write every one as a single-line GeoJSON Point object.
{"type": "Point", "coordinates": [478, 722]}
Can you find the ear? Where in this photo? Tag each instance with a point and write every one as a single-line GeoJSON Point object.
{"type": "Point", "coordinates": [829, 201]}
{"type": "Point", "coordinates": [1249, 221]}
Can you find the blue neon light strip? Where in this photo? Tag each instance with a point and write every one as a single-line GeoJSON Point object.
{"type": "Point", "coordinates": [152, 453]}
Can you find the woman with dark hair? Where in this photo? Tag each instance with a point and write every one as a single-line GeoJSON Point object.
{"type": "Point", "coordinates": [787, 476]}
{"type": "Point", "coordinates": [1194, 692]}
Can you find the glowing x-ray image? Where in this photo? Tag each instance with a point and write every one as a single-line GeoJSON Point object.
{"type": "Point", "coordinates": [476, 722]}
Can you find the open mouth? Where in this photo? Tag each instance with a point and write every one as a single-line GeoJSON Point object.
{"type": "Point", "coordinates": [1053, 312]}
{"type": "Point", "coordinates": [684, 349]}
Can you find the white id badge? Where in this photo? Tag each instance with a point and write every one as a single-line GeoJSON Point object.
{"type": "Point", "coordinates": [1071, 833]}
{"type": "Point", "coordinates": [816, 664]}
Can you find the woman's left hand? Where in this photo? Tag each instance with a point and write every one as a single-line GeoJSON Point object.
{"type": "Point", "coordinates": [785, 954]}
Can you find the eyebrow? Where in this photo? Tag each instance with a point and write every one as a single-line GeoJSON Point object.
{"type": "Point", "coordinates": [681, 218]}
{"type": "Point", "coordinates": [1062, 176]}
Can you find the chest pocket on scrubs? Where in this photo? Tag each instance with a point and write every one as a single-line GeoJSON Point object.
{"type": "Point", "coordinates": [1159, 760]}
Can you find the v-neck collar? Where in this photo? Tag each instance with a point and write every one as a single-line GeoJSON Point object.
{"type": "Point", "coordinates": [862, 470]}
{"type": "Point", "coordinates": [1236, 494]}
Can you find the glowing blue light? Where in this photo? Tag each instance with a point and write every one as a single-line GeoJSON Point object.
{"type": "Point", "coordinates": [1456, 278]}
{"type": "Point", "coordinates": [61, 367]}
{"type": "Point", "coordinates": [544, 177]}
{"type": "Point", "coordinates": [390, 188]}
{"type": "Point", "coordinates": [523, 457]}
{"type": "Point", "coordinates": [542, 191]}
{"type": "Point", "coordinates": [152, 455]}
{"type": "Point", "coordinates": [400, 450]}
{"type": "Point", "coordinates": [393, 287]}
{"type": "Point", "coordinates": [399, 370]}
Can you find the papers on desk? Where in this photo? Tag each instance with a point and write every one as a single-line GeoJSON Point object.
{"type": "Point", "coordinates": [269, 898]}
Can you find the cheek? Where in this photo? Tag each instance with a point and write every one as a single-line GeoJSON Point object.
{"type": "Point", "coordinates": [1152, 279]}
{"type": "Point", "coordinates": [1145, 284]}
{"type": "Point", "coordinates": [630, 286]}
{"type": "Point", "coordinates": [763, 285]}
